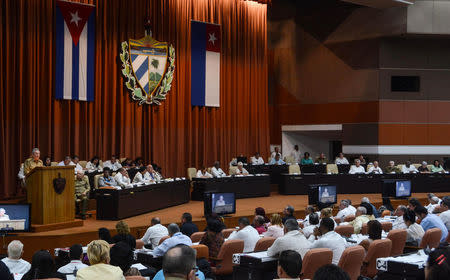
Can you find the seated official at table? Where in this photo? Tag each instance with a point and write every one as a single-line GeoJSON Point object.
{"type": "Point", "coordinates": [107, 180]}
{"type": "Point", "coordinates": [414, 232]}
{"type": "Point", "coordinates": [216, 171]}
{"type": "Point", "coordinates": [139, 162]}
{"type": "Point", "coordinates": [123, 179]}
{"type": "Point", "coordinates": [277, 160]}
{"type": "Point", "coordinates": [141, 177]}
{"type": "Point", "coordinates": [437, 167]}
{"type": "Point", "coordinates": [153, 174]}
{"type": "Point", "coordinates": [76, 161]}
{"type": "Point", "coordinates": [321, 159]}
{"type": "Point", "coordinates": [306, 160]}
{"type": "Point", "coordinates": [128, 163]}
{"type": "Point", "coordinates": [391, 168]}
{"type": "Point", "coordinates": [33, 161]}
{"type": "Point", "coordinates": [176, 238]}
{"type": "Point", "coordinates": [94, 165]}
{"type": "Point", "coordinates": [47, 161]}
{"type": "Point", "coordinates": [240, 170]}
{"type": "Point", "coordinates": [341, 159]}
{"type": "Point", "coordinates": [375, 169]}
{"type": "Point", "coordinates": [423, 168]}
{"type": "Point", "coordinates": [203, 173]}
{"type": "Point", "coordinates": [362, 159]}
{"type": "Point", "coordinates": [409, 168]}
{"type": "Point", "coordinates": [257, 159]}
{"type": "Point", "coordinates": [66, 162]}
{"type": "Point", "coordinates": [357, 168]}
{"type": "Point", "coordinates": [275, 152]}
{"type": "Point", "coordinates": [113, 163]}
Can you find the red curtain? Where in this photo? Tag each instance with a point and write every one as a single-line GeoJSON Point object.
{"type": "Point", "coordinates": [174, 135]}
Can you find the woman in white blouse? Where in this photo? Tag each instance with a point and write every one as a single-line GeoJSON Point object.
{"type": "Point", "coordinates": [94, 165]}
{"type": "Point", "coordinates": [276, 228]}
{"type": "Point", "coordinates": [414, 231]}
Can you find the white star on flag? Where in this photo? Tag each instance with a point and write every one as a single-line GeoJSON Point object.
{"type": "Point", "coordinates": [212, 38]}
{"type": "Point", "coordinates": [75, 18]}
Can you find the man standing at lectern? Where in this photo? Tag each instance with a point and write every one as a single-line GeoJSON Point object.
{"type": "Point", "coordinates": [33, 161]}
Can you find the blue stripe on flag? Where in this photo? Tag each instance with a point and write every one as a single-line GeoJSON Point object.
{"type": "Point", "coordinates": [133, 57]}
{"type": "Point", "coordinates": [142, 69]}
{"type": "Point", "coordinates": [198, 63]}
{"type": "Point", "coordinates": [75, 70]}
{"type": "Point", "coordinates": [59, 50]}
{"type": "Point", "coordinates": [90, 57]}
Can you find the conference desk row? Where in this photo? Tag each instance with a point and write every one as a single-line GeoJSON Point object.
{"type": "Point", "coordinates": [362, 183]}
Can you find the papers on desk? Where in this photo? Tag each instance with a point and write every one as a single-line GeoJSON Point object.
{"type": "Point", "coordinates": [262, 256]}
{"type": "Point", "coordinates": [418, 259]}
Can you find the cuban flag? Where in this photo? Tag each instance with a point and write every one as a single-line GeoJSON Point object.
{"type": "Point", "coordinates": [75, 46]}
{"type": "Point", "coordinates": [205, 64]}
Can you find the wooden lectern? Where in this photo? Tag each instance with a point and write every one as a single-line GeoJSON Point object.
{"type": "Point", "coordinates": [47, 205]}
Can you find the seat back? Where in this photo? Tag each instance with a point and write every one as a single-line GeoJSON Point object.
{"type": "Point", "coordinates": [139, 244]}
{"type": "Point", "coordinates": [364, 229]}
{"type": "Point", "coordinates": [83, 163]}
{"type": "Point", "coordinates": [386, 213]}
{"type": "Point", "coordinates": [398, 238]}
{"type": "Point", "coordinates": [332, 169]}
{"type": "Point", "coordinates": [368, 167]}
{"type": "Point", "coordinates": [197, 236]}
{"type": "Point", "coordinates": [431, 238]}
{"type": "Point", "coordinates": [202, 251]}
{"type": "Point", "coordinates": [289, 159]}
{"type": "Point", "coordinates": [191, 172]}
{"type": "Point", "coordinates": [227, 231]}
{"type": "Point", "coordinates": [386, 226]}
{"type": "Point", "coordinates": [226, 252]}
{"type": "Point", "coordinates": [349, 218]}
{"type": "Point", "coordinates": [294, 168]}
{"type": "Point", "coordinates": [380, 248]}
{"type": "Point", "coordinates": [314, 259]}
{"type": "Point", "coordinates": [232, 170]}
{"type": "Point", "coordinates": [346, 230]}
{"type": "Point", "coordinates": [417, 165]}
{"type": "Point", "coordinates": [54, 163]}
{"type": "Point", "coordinates": [351, 261]}
{"type": "Point", "coordinates": [263, 244]}
{"type": "Point", "coordinates": [163, 239]}
{"type": "Point", "coordinates": [96, 178]}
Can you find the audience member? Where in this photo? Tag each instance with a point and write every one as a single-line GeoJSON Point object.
{"type": "Point", "coordinates": [104, 234]}
{"type": "Point", "coordinates": [113, 164]}
{"type": "Point", "coordinates": [357, 168]}
{"type": "Point", "coordinates": [293, 239]}
{"type": "Point", "coordinates": [94, 165]}
{"type": "Point", "coordinates": [277, 160]}
{"type": "Point", "coordinates": [14, 261]}
{"type": "Point", "coordinates": [438, 265]}
{"type": "Point", "coordinates": [434, 202]}
{"type": "Point", "coordinates": [107, 180]}
{"type": "Point", "coordinates": [306, 160]}
{"type": "Point", "coordinates": [313, 222]}
{"type": "Point", "coordinates": [203, 173]}
{"type": "Point", "coordinates": [288, 214]}
{"type": "Point", "coordinates": [187, 226]}
{"type": "Point", "coordinates": [75, 255]}
{"type": "Point", "coordinates": [154, 233]}
{"type": "Point", "coordinates": [213, 238]}
{"type": "Point", "coordinates": [123, 179]}
{"type": "Point", "coordinates": [276, 228]}
{"type": "Point", "coordinates": [257, 159]}
{"type": "Point", "coordinates": [240, 170]}
{"type": "Point", "coordinates": [414, 232]}
{"type": "Point", "coordinates": [176, 237]}
{"type": "Point", "coordinates": [330, 272]}
{"type": "Point", "coordinates": [42, 266]}
{"type": "Point", "coordinates": [123, 234]}
{"type": "Point", "coordinates": [361, 218]}
{"type": "Point", "coordinates": [258, 223]}
{"type": "Point", "coordinates": [98, 255]}
{"type": "Point", "coordinates": [179, 263]}
{"type": "Point", "coordinates": [430, 221]}
{"type": "Point", "coordinates": [399, 222]}
{"type": "Point", "coordinates": [350, 205]}
{"type": "Point", "coordinates": [289, 265]}
{"type": "Point", "coordinates": [413, 203]}
{"type": "Point", "coordinates": [374, 229]}
{"type": "Point", "coordinates": [216, 171]}
{"type": "Point", "coordinates": [344, 210]}
{"type": "Point", "coordinates": [445, 215]}
{"type": "Point", "coordinates": [325, 237]}
{"type": "Point", "coordinates": [424, 167]}
{"type": "Point", "coordinates": [295, 154]}
{"type": "Point", "coordinates": [409, 168]}
{"type": "Point", "coordinates": [308, 210]}
{"type": "Point", "coordinates": [259, 211]}
{"type": "Point", "coordinates": [246, 233]}
{"type": "Point", "coordinates": [391, 168]}
{"type": "Point", "coordinates": [327, 213]}
{"type": "Point", "coordinates": [374, 209]}
{"type": "Point", "coordinates": [5, 273]}
{"type": "Point", "coordinates": [375, 169]}
{"type": "Point", "coordinates": [214, 216]}
{"type": "Point", "coordinates": [437, 167]}
{"type": "Point", "coordinates": [321, 159]}
{"type": "Point", "coordinates": [122, 256]}
{"type": "Point", "coordinates": [341, 159]}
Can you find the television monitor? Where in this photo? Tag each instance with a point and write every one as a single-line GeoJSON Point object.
{"type": "Point", "coordinates": [396, 188]}
{"type": "Point", "coordinates": [322, 195]}
{"type": "Point", "coordinates": [219, 203]}
{"type": "Point", "coordinates": [14, 217]}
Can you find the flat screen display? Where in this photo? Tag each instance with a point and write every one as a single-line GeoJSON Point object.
{"type": "Point", "coordinates": [14, 217]}
{"type": "Point", "coordinates": [223, 203]}
{"type": "Point", "coordinates": [402, 188]}
{"type": "Point", "coordinates": [327, 194]}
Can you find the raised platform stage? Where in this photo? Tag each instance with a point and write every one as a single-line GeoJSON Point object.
{"type": "Point", "coordinates": [275, 203]}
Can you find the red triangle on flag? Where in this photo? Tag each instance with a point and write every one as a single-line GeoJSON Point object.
{"type": "Point", "coordinates": [75, 15]}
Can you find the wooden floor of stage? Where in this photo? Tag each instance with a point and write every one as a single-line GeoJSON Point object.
{"type": "Point", "coordinates": [138, 224]}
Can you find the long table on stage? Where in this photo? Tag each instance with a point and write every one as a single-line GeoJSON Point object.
{"type": "Point", "coordinates": [274, 171]}
{"type": "Point", "coordinates": [242, 186]}
{"type": "Point", "coordinates": [362, 183]}
{"type": "Point", "coordinates": [119, 204]}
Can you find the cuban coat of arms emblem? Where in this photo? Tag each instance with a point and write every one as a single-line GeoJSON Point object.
{"type": "Point", "coordinates": [148, 67]}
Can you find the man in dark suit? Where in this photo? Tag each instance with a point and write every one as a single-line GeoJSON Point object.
{"type": "Point", "coordinates": [187, 227]}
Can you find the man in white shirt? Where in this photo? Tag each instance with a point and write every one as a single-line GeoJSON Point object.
{"type": "Point", "coordinates": [275, 152]}
{"type": "Point", "coordinates": [142, 177]}
{"type": "Point", "coordinates": [357, 168]}
{"type": "Point", "coordinates": [296, 154]}
{"type": "Point", "coordinates": [313, 221]}
{"type": "Point", "coordinates": [326, 237]}
{"type": "Point", "coordinates": [67, 161]}
{"type": "Point", "coordinates": [257, 159]}
{"type": "Point", "coordinates": [247, 233]}
{"type": "Point", "coordinates": [341, 159]}
{"type": "Point", "coordinates": [434, 202]}
{"type": "Point", "coordinates": [152, 174]}
{"type": "Point", "coordinates": [216, 171]}
{"type": "Point", "coordinates": [344, 210]}
{"type": "Point", "coordinates": [399, 222]}
{"type": "Point", "coordinates": [154, 233]}
{"type": "Point", "coordinates": [14, 261]}
{"type": "Point", "coordinates": [78, 167]}
{"type": "Point", "coordinates": [445, 215]}
{"type": "Point", "coordinates": [375, 169]}
{"type": "Point", "coordinates": [289, 265]}
{"type": "Point", "coordinates": [240, 169]}
{"type": "Point", "coordinates": [75, 255]}
{"type": "Point", "coordinates": [409, 168]}
{"type": "Point", "coordinates": [122, 179]}
{"type": "Point", "coordinates": [3, 216]}
{"type": "Point", "coordinates": [202, 173]}
{"type": "Point", "coordinates": [293, 239]}
{"type": "Point", "coordinates": [112, 164]}
{"type": "Point", "coordinates": [220, 202]}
